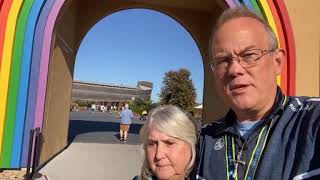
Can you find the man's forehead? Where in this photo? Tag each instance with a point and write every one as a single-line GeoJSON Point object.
{"type": "Point", "coordinates": [242, 22]}
{"type": "Point", "coordinates": [239, 33]}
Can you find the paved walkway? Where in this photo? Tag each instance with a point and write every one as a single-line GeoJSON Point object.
{"type": "Point", "coordinates": [91, 161]}
{"type": "Point", "coordinates": [95, 152]}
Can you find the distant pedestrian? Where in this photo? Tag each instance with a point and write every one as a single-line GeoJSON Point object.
{"type": "Point", "coordinates": [144, 115]}
{"type": "Point", "coordinates": [126, 116]}
{"type": "Point", "coordinates": [93, 107]}
{"type": "Point", "coordinates": [103, 108]}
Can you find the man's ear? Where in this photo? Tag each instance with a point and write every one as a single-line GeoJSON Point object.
{"type": "Point", "coordinates": [280, 58]}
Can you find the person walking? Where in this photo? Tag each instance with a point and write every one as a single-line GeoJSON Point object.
{"type": "Point", "coordinates": [126, 116]}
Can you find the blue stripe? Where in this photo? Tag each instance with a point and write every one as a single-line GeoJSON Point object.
{"type": "Point", "coordinates": [34, 75]}
{"type": "Point", "coordinates": [248, 4]}
{"type": "Point", "coordinates": [23, 83]}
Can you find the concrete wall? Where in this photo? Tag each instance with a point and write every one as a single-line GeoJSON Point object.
{"type": "Point", "coordinates": [58, 94]}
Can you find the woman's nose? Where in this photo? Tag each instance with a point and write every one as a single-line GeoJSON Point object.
{"type": "Point", "coordinates": [160, 152]}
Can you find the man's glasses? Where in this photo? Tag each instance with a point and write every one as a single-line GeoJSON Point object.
{"type": "Point", "coordinates": [246, 59]}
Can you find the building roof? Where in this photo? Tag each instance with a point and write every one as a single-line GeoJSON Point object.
{"type": "Point", "coordinates": [107, 92]}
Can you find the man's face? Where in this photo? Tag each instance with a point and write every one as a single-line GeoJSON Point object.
{"type": "Point", "coordinates": [246, 89]}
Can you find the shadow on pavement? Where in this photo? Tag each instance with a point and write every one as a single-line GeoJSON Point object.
{"type": "Point", "coordinates": [78, 127]}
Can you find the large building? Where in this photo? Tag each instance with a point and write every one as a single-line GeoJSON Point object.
{"type": "Point", "coordinates": [110, 94]}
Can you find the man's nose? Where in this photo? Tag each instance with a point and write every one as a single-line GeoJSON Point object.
{"type": "Point", "coordinates": [235, 68]}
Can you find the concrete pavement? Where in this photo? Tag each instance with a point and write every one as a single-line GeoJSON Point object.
{"type": "Point", "coordinates": [91, 161]}
{"type": "Point", "coordinates": [95, 152]}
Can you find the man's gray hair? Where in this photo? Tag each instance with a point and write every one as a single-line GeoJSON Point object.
{"type": "Point", "coordinates": [242, 11]}
{"type": "Point", "coordinates": [173, 122]}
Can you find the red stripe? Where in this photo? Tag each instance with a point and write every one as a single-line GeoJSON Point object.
{"type": "Point", "coordinates": [288, 35]}
{"type": "Point", "coordinates": [3, 23]}
{"type": "Point", "coordinates": [1, 2]}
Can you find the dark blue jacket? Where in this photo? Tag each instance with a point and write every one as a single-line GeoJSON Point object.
{"type": "Point", "coordinates": [292, 148]}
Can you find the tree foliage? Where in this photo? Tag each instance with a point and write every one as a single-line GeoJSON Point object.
{"type": "Point", "coordinates": [177, 89]}
{"type": "Point", "coordinates": [83, 103]}
{"type": "Point", "coordinates": [139, 105]}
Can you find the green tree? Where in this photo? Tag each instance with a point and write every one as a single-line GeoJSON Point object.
{"type": "Point", "coordinates": [139, 105]}
{"type": "Point", "coordinates": [82, 103]}
{"type": "Point", "coordinates": [177, 89]}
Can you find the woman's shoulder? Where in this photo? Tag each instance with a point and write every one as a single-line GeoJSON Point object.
{"type": "Point", "coordinates": [136, 178]}
{"type": "Point", "coordinates": [150, 178]}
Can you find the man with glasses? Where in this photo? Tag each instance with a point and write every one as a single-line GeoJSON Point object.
{"type": "Point", "coordinates": [265, 134]}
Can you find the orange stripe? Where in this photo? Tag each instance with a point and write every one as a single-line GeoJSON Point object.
{"type": "Point", "coordinates": [290, 47]}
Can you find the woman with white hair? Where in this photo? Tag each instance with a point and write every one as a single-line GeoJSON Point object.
{"type": "Point", "coordinates": [169, 138]}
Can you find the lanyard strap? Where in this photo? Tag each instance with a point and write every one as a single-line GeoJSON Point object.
{"type": "Point", "coordinates": [229, 157]}
{"type": "Point", "coordinates": [255, 156]}
{"type": "Point", "coordinates": [254, 159]}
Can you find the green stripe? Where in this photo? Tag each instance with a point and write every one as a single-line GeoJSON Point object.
{"type": "Point", "coordinates": [256, 8]}
{"type": "Point", "coordinates": [262, 11]}
{"type": "Point", "coordinates": [9, 121]}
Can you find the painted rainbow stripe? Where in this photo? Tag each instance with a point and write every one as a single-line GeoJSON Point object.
{"type": "Point", "coordinates": [26, 29]}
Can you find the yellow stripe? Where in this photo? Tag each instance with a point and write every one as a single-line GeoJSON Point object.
{"type": "Point", "coordinates": [284, 101]}
{"type": "Point", "coordinates": [234, 157]}
{"type": "Point", "coordinates": [6, 60]}
{"type": "Point", "coordinates": [226, 153]}
{"type": "Point", "coordinates": [273, 25]}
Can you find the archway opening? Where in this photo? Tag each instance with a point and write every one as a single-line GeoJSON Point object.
{"type": "Point", "coordinates": [116, 59]}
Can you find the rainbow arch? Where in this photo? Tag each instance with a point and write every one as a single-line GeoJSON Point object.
{"type": "Point", "coordinates": [26, 28]}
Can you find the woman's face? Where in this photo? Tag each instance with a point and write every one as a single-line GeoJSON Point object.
{"type": "Point", "coordinates": [167, 156]}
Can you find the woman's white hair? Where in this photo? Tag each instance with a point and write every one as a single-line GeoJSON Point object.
{"type": "Point", "coordinates": [173, 122]}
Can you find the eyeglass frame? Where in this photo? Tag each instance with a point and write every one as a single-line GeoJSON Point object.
{"type": "Point", "coordinates": [237, 58]}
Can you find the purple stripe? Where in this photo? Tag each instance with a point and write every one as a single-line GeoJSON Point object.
{"type": "Point", "coordinates": [231, 3]}
{"type": "Point", "coordinates": [34, 75]}
{"type": "Point", "coordinates": [45, 56]}
{"type": "Point", "coordinates": [237, 2]}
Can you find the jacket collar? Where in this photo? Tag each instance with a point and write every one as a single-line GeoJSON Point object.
{"type": "Point", "coordinates": [227, 124]}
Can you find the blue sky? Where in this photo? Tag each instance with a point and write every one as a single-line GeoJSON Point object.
{"type": "Point", "coordinates": [138, 44]}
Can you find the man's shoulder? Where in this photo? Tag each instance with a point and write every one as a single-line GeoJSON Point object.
{"type": "Point", "coordinates": [303, 99]}
{"type": "Point", "coordinates": [213, 127]}
{"type": "Point", "coordinates": [307, 107]}
{"type": "Point", "coordinates": [127, 110]}
{"type": "Point", "coordinates": [304, 102]}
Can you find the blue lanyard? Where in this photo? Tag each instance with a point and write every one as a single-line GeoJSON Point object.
{"type": "Point", "coordinates": [232, 163]}
{"type": "Point", "coordinates": [232, 173]}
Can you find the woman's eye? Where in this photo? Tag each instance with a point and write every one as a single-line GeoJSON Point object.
{"type": "Point", "coordinates": [170, 142]}
{"type": "Point", "coordinates": [150, 144]}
